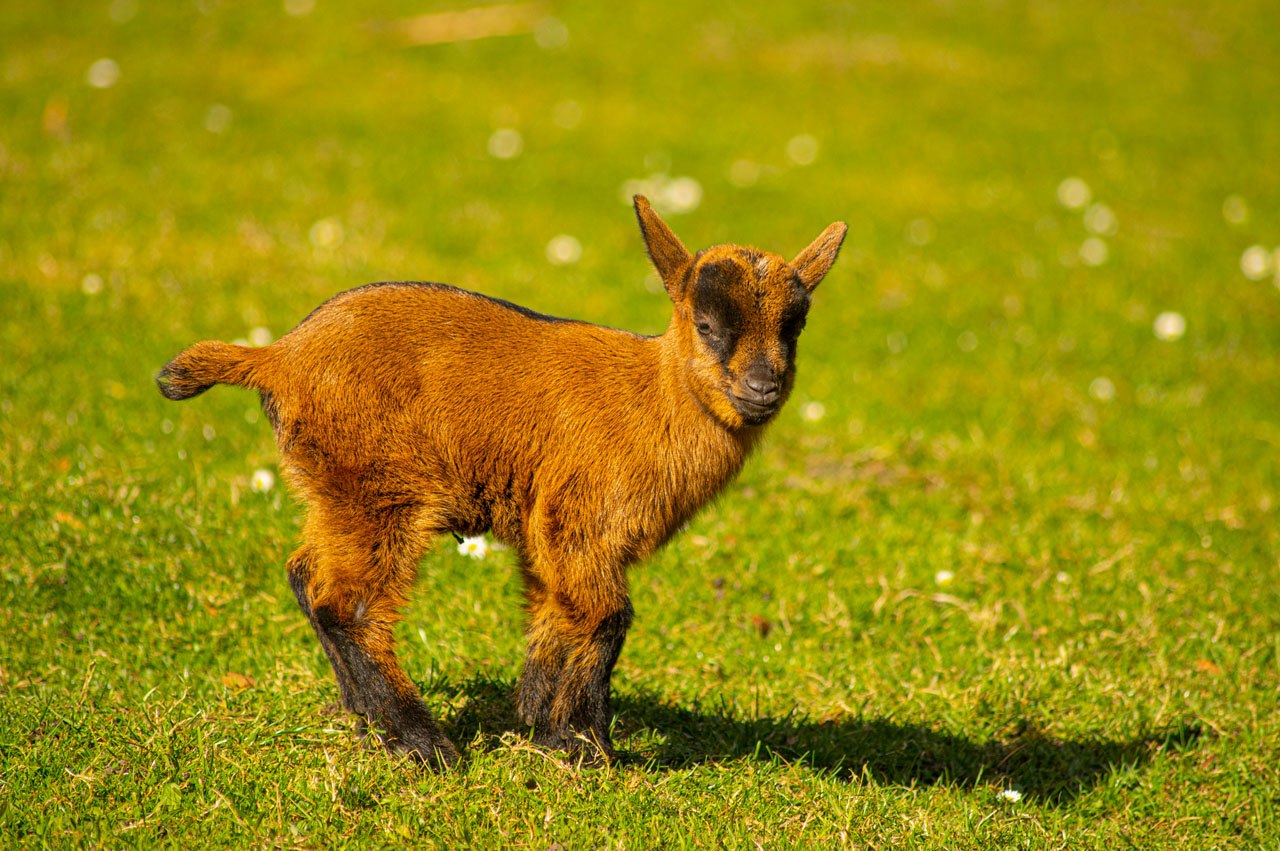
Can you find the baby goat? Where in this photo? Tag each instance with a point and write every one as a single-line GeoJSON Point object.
{"type": "Point", "coordinates": [407, 410]}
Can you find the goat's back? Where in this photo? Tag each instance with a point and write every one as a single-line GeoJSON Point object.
{"type": "Point", "coordinates": [391, 352]}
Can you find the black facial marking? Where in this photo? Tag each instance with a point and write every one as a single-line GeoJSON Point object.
{"type": "Point", "coordinates": [793, 321]}
{"type": "Point", "coordinates": [716, 315]}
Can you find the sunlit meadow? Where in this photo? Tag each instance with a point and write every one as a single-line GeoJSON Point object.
{"type": "Point", "coordinates": [1006, 572]}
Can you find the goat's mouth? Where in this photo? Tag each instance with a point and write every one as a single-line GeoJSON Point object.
{"type": "Point", "coordinates": [753, 412]}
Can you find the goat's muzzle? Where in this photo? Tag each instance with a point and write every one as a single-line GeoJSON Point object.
{"type": "Point", "coordinates": [757, 395]}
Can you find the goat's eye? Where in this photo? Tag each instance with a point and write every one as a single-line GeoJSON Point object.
{"type": "Point", "coordinates": [704, 328]}
{"type": "Point", "coordinates": [792, 327]}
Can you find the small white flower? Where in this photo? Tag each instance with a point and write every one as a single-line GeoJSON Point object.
{"type": "Point", "coordinates": [1255, 262]}
{"type": "Point", "coordinates": [1093, 251]}
{"type": "Point", "coordinates": [1169, 326]}
{"type": "Point", "coordinates": [650, 187]}
{"type": "Point", "coordinates": [103, 74]}
{"type": "Point", "coordinates": [217, 118]}
{"type": "Point", "coordinates": [1100, 220]}
{"type": "Point", "coordinates": [505, 143]}
{"type": "Point", "coordinates": [944, 577]}
{"type": "Point", "coordinates": [1102, 388]}
{"type": "Point", "coordinates": [326, 233]}
{"type": "Point", "coordinates": [1074, 193]}
{"type": "Point", "coordinates": [122, 11]}
{"type": "Point", "coordinates": [682, 195]}
{"type": "Point", "coordinates": [475, 547]}
{"type": "Point", "coordinates": [813, 411]}
{"type": "Point", "coordinates": [299, 8]}
{"type": "Point", "coordinates": [668, 194]}
{"type": "Point", "coordinates": [1012, 796]}
{"type": "Point", "coordinates": [921, 232]}
{"type": "Point", "coordinates": [1235, 210]}
{"type": "Point", "coordinates": [551, 33]}
{"type": "Point", "coordinates": [563, 250]}
{"type": "Point", "coordinates": [260, 336]}
{"type": "Point", "coordinates": [262, 481]}
{"type": "Point", "coordinates": [802, 149]}
{"type": "Point", "coordinates": [92, 284]}
{"type": "Point", "coordinates": [567, 114]}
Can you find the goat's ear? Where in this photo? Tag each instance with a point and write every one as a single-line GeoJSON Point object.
{"type": "Point", "coordinates": [814, 262]}
{"type": "Point", "coordinates": [665, 249]}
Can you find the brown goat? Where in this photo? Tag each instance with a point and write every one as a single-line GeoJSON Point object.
{"type": "Point", "coordinates": [407, 410]}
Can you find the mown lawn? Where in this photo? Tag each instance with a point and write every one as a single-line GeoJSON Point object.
{"type": "Point", "coordinates": [1015, 533]}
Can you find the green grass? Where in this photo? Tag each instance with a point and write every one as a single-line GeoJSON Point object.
{"type": "Point", "coordinates": [799, 673]}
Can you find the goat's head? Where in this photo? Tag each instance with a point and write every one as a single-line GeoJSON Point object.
{"type": "Point", "coordinates": [738, 314]}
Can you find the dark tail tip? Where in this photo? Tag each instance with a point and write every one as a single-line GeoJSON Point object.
{"type": "Point", "coordinates": [177, 384]}
{"type": "Point", "coordinates": [203, 365]}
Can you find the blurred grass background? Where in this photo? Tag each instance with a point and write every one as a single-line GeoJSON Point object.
{"type": "Point", "coordinates": [1016, 529]}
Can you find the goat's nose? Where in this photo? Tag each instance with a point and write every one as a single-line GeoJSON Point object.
{"type": "Point", "coordinates": [763, 385]}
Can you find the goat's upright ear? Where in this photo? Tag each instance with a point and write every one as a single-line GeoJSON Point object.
{"type": "Point", "coordinates": [665, 248]}
{"type": "Point", "coordinates": [814, 262]}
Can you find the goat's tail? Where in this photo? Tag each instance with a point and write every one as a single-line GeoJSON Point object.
{"type": "Point", "coordinates": [206, 364]}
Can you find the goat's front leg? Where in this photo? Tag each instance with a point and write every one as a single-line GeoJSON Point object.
{"type": "Point", "coordinates": [574, 641]}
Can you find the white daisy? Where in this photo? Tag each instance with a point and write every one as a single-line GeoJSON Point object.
{"type": "Point", "coordinates": [563, 250]}
{"type": "Point", "coordinates": [475, 547]}
{"type": "Point", "coordinates": [1169, 326]}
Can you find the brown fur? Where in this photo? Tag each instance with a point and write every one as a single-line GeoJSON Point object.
{"type": "Point", "coordinates": [404, 411]}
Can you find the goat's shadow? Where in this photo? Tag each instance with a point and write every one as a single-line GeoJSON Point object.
{"type": "Point", "coordinates": [1044, 768]}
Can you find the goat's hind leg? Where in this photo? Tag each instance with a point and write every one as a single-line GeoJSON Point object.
{"type": "Point", "coordinates": [300, 567]}
{"type": "Point", "coordinates": [383, 695]}
{"type": "Point", "coordinates": [353, 592]}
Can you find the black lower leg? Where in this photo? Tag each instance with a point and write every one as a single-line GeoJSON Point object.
{"type": "Point", "coordinates": [539, 680]}
{"type": "Point", "coordinates": [384, 696]}
{"type": "Point", "coordinates": [544, 658]}
{"type": "Point", "coordinates": [299, 569]}
{"type": "Point", "coordinates": [581, 710]}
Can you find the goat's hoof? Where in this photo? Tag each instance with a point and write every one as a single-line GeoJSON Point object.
{"type": "Point", "coordinates": [581, 748]}
{"type": "Point", "coordinates": [411, 732]}
{"type": "Point", "coordinates": [424, 744]}
{"type": "Point", "coordinates": [439, 754]}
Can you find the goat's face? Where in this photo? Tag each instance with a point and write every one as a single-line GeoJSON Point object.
{"type": "Point", "coordinates": [738, 315]}
{"type": "Point", "coordinates": [742, 314]}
